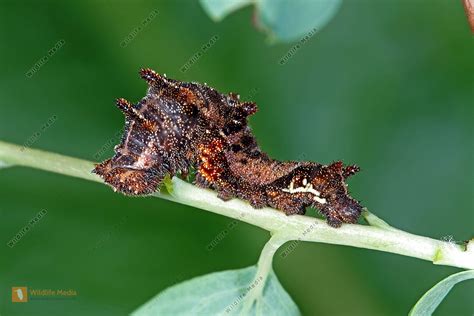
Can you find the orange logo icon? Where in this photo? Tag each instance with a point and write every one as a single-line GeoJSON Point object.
{"type": "Point", "coordinates": [20, 294]}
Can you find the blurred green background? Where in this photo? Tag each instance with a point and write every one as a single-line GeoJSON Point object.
{"type": "Point", "coordinates": [386, 84]}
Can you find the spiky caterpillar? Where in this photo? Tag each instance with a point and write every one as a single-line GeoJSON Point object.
{"type": "Point", "coordinates": [181, 125]}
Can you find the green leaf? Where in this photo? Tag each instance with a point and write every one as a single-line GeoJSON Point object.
{"type": "Point", "coordinates": [289, 20]}
{"type": "Point", "coordinates": [430, 301]}
{"type": "Point", "coordinates": [283, 20]}
{"type": "Point", "coordinates": [222, 293]}
{"type": "Point", "coordinates": [218, 9]}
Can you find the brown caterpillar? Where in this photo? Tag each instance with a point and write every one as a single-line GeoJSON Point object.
{"type": "Point", "coordinates": [182, 125]}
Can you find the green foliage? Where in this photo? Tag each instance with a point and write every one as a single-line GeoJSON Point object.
{"type": "Point", "coordinates": [430, 301]}
{"type": "Point", "coordinates": [368, 89]}
{"type": "Point", "coordinates": [167, 184]}
{"type": "Point", "coordinates": [282, 20]}
{"type": "Point", "coordinates": [287, 20]}
{"type": "Point", "coordinates": [224, 293]}
{"type": "Point", "coordinates": [219, 9]}
{"type": "Point", "coordinates": [256, 291]}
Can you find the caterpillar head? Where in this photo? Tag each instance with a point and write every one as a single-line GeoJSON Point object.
{"type": "Point", "coordinates": [334, 201]}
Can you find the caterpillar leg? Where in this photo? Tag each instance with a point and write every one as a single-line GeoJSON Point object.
{"type": "Point", "coordinates": [287, 202]}
{"type": "Point", "coordinates": [344, 210]}
{"type": "Point", "coordinates": [129, 181]}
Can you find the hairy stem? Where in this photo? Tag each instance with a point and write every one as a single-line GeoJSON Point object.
{"type": "Point", "coordinates": [378, 236]}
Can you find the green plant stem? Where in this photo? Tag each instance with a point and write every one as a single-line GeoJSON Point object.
{"type": "Point", "coordinates": [264, 267]}
{"type": "Point", "coordinates": [378, 236]}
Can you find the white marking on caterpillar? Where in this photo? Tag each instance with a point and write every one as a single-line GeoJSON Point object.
{"type": "Point", "coordinates": [308, 188]}
{"type": "Point", "coordinates": [319, 200]}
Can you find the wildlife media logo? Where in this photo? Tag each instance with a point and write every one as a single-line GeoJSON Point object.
{"type": "Point", "coordinates": [21, 294]}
